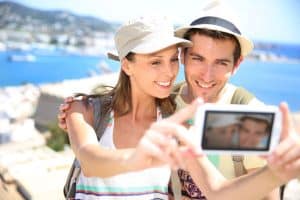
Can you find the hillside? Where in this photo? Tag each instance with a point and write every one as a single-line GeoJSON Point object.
{"type": "Point", "coordinates": [14, 16]}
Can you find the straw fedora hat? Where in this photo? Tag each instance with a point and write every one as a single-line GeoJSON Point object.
{"type": "Point", "coordinates": [217, 16]}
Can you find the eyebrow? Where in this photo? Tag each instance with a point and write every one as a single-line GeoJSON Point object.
{"type": "Point", "coordinates": [224, 60]}
{"type": "Point", "coordinates": [195, 54]}
{"type": "Point", "coordinates": [219, 59]}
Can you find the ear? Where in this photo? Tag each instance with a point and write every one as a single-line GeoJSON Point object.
{"type": "Point", "coordinates": [126, 67]}
{"type": "Point", "coordinates": [237, 64]}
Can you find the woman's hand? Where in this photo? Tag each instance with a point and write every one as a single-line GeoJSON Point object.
{"type": "Point", "coordinates": [167, 142]}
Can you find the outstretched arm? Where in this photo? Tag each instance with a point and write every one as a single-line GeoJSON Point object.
{"type": "Point", "coordinates": [152, 150]}
{"type": "Point", "coordinates": [251, 186]}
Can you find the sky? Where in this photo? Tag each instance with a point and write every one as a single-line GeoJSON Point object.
{"type": "Point", "coordinates": [261, 20]}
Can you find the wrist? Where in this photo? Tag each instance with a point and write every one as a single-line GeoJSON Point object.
{"type": "Point", "coordinates": [273, 176]}
{"type": "Point", "coordinates": [126, 161]}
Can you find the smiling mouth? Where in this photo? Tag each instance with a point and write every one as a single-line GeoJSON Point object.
{"type": "Point", "coordinates": [163, 83]}
{"type": "Point", "coordinates": [204, 85]}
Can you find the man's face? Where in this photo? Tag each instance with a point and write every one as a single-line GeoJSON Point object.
{"type": "Point", "coordinates": [208, 66]}
{"type": "Point", "coordinates": [251, 133]}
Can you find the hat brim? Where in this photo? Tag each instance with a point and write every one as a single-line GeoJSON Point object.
{"type": "Point", "coordinates": [245, 43]}
{"type": "Point", "coordinates": [152, 44]}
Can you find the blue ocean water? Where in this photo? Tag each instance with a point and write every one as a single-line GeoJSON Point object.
{"type": "Point", "coordinates": [272, 82]}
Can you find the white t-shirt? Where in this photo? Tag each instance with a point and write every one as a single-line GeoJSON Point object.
{"type": "Point", "coordinates": [141, 185]}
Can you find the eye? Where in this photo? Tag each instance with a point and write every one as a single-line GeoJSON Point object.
{"type": "Point", "coordinates": [223, 63]}
{"type": "Point", "coordinates": [175, 59]}
{"type": "Point", "coordinates": [197, 58]}
{"type": "Point", "coordinates": [156, 62]}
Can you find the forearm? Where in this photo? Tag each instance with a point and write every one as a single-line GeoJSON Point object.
{"type": "Point", "coordinates": [251, 186]}
{"type": "Point", "coordinates": [94, 159]}
{"type": "Point", "coordinates": [101, 162]}
{"type": "Point", "coordinates": [272, 195]}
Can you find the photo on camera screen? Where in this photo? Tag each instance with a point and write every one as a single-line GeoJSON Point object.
{"type": "Point", "coordinates": [225, 130]}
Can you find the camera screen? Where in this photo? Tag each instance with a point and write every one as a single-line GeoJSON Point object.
{"type": "Point", "coordinates": [237, 130]}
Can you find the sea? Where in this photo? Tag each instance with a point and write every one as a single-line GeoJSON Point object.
{"type": "Point", "coordinates": [271, 81]}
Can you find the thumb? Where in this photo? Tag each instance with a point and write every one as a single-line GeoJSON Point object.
{"type": "Point", "coordinates": [186, 113]}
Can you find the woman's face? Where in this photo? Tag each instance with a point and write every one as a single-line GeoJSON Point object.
{"type": "Point", "coordinates": [153, 74]}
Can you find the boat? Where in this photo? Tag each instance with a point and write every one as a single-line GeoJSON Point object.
{"type": "Point", "coordinates": [22, 58]}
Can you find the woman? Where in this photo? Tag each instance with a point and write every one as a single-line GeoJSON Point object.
{"type": "Point", "coordinates": [148, 53]}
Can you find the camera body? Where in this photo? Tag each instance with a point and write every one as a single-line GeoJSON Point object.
{"type": "Point", "coordinates": [237, 129]}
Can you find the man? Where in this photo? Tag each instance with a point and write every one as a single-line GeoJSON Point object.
{"type": "Point", "coordinates": [253, 131]}
{"type": "Point", "coordinates": [218, 49]}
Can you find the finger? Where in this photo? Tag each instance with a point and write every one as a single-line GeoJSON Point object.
{"type": "Point", "coordinates": [63, 107]}
{"type": "Point", "coordinates": [286, 120]}
{"type": "Point", "coordinates": [171, 129]}
{"type": "Point", "coordinates": [186, 113]}
{"type": "Point", "coordinates": [291, 156]}
{"type": "Point", "coordinates": [282, 148]}
{"type": "Point", "coordinates": [294, 166]}
{"type": "Point", "coordinates": [69, 99]}
{"type": "Point", "coordinates": [178, 156]}
{"type": "Point", "coordinates": [172, 151]}
{"type": "Point", "coordinates": [154, 149]}
{"type": "Point", "coordinates": [156, 137]}
{"type": "Point", "coordinates": [61, 116]}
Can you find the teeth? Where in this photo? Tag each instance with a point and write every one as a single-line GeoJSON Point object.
{"type": "Point", "coordinates": [165, 84]}
{"type": "Point", "coordinates": [203, 85]}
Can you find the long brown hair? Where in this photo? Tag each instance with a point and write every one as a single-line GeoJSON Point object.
{"type": "Point", "coordinates": [119, 97]}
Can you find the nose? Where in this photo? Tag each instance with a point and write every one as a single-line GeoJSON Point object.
{"type": "Point", "coordinates": [171, 69]}
{"type": "Point", "coordinates": [207, 73]}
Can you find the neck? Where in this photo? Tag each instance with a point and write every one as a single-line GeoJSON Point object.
{"type": "Point", "coordinates": [143, 108]}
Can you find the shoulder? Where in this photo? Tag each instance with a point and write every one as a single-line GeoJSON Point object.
{"type": "Point", "coordinates": [243, 96]}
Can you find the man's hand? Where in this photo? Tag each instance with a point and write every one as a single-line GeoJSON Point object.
{"type": "Point", "coordinates": [285, 160]}
{"type": "Point", "coordinates": [63, 113]}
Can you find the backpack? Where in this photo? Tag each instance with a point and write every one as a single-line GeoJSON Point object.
{"type": "Point", "coordinates": [99, 124]}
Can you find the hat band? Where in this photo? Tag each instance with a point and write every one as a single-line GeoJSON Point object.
{"type": "Point", "coordinates": [216, 21]}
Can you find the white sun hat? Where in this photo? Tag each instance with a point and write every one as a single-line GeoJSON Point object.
{"type": "Point", "coordinates": [218, 16]}
{"type": "Point", "coordinates": [221, 120]}
{"type": "Point", "coordinates": [145, 35]}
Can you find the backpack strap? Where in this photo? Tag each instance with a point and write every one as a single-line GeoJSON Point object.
{"type": "Point", "coordinates": [100, 119]}
{"type": "Point", "coordinates": [100, 122]}
{"type": "Point", "coordinates": [238, 164]}
{"type": "Point", "coordinates": [240, 96]}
